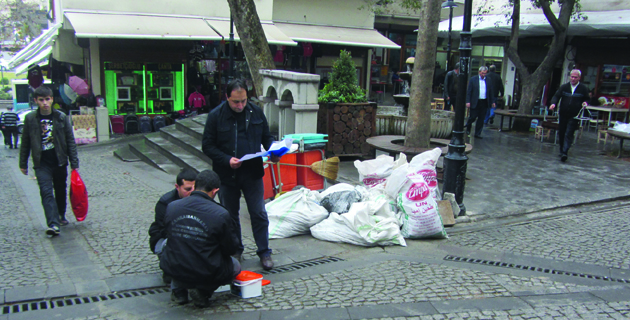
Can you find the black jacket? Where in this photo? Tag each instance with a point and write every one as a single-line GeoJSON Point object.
{"type": "Point", "coordinates": [157, 230]}
{"type": "Point", "coordinates": [571, 102]}
{"type": "Point", "coordinates": [201, 239]}
{"type": "Point", "coordinates": [450, 85]}
{"type": "Point", "coordinates": [219, 141]}
{"type": "Point", "coordinates": [497, 83]}
{"type": "Point", "coordinates": [63, 139]}
{"type": "Point", "coordinates": [472, 93]}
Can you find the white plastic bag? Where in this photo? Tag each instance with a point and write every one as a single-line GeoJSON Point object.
{"type": "Point", "coordinates": [375, 221]}
{"type": "Point", "coordinates": [424, 164]}
{"type": "Point", "coordinates": [294, 213]}
{"type": "Point", "coordinates": [419, 211]}
{"type": "Point", "coordinates": [374, 172]}
{"type": "Point", "coordinates": [335, 229]}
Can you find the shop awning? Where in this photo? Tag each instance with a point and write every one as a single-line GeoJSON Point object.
{"type": "Point", "coordinates": [336, 35]}
{"type": "Point", "coordinates": [35, 49]}
{"type": "Point", "coordinates": [39, 58]}
{"type": "Point", "coordinates": [272, 33]}
{"type": "Point", "coordinates": [139, 26]}
{"type": "Point", "coordinates": [596, 24]}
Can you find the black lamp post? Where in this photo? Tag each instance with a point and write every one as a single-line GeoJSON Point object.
{"type": "Point", "coordinates": [455, 161]}
{"type": "Point", "coordinates": [450, 5]}
{"type": "Point", "coordinates": [231, 61]}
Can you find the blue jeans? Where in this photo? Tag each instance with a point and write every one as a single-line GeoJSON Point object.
{"type": "Point", "coordinates": [53, 191]}
{"type": "Point", "coordinates": [177, 285]}
{"type": "Point", "coordinates": [253, 191]}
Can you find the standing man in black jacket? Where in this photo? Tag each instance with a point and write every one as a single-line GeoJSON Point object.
{"type": "Point", "coordinates": [497, 88]}
{"type": "Point", "coordinates": [49, 138]}
{"type": "Point", "coordinates": [574, 97]}
{"type": "Point", "coordinates": [450, 88]}
{"type": "Point", "coordinates": [235, 128]}
{"type": "Point", "coordinates": [201, 240]}
{"type": "Point", "coordinates": [479, 97]}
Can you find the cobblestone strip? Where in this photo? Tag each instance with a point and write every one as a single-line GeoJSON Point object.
{"type": "Point", "coordinates": [28, 258]}
{"type": "Point", "coordinates": [613, 310]}
{"type": "Point", "coordinates": [389, 282]}
{"type": "Point", "coordinates": [592, 238]}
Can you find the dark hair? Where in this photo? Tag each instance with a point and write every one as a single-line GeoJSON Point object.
{"type": "Point", "coordinates": [42, 91]}
{"type": "Point", "coordinates": [492, 68]}
{"type": "Point", "coordinates": [235, 85]}
{"type": "Point", "coordinates": [186, 174]}
{"type": "Point", "coordinates": [207, 180]}
{"type": "Point", "coordinates": [456, 66]}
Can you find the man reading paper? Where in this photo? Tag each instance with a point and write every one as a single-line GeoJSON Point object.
{"type": "Point", "coordinates": [235, 128]}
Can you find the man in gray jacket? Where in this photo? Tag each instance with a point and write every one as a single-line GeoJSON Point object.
{"type": "Point", "coordinates": [48, 137]}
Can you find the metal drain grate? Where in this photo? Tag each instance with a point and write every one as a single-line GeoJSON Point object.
{"type": "Point", "coordinates": [19, 307]}
{"type": "Point", "coordinates": [302, 265]}
{"type": "Point", "coordinates": [530, 268]}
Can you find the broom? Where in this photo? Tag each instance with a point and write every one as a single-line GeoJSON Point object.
{"type": "Point", "coordinates": [327, 168]}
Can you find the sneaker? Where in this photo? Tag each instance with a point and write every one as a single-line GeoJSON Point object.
{"type": "Point", "coordinates": [563, 158]}
{"type": "Point", "coordinates": [63, 221]}
{"type": "Point", "coordinates": [199, 298]}
{"type": "Point", "coordinates": [53, 231]}
{"type": "Point", "coordinates": [180, 296]}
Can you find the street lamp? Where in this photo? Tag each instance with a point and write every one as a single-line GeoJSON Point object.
{"type": "Point", "coordinates": [455, 161]}
{"type": "Point", "coordinates": [450, 5]}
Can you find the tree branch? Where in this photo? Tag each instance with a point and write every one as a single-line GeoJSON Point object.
{"type": "Point", "coordinates": [512, 50]}
{"type": "Point", "coordinates": [551, 17]}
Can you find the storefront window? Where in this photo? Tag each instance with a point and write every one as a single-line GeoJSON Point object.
{"type": "Point", "coordinates": [144, 88]}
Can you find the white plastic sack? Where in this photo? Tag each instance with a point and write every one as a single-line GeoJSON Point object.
{"type": "Point", "coordinates": [419, 211]}
{"type": "Point", "coordinates": [340, 201]}
{"type": "Point", "coordinates": [375, 221]}
{"type": "Point", "coordinates": [335, 229]}
{"type": "Point", "coordinates": [294, 213]}
{"type": "Point", "coordinates": [424, 164]}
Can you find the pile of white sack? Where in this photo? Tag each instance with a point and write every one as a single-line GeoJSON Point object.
{"type": "Point", "coordinates": [398, 200]}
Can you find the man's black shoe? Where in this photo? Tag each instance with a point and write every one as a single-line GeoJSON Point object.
{"type": "Point", "coordinates": [563, 158]}
{"type": "Point", "coordinates": [478, 137]}
{"type": "Point", "coordinates": [180, 296]}
{"type": "Point", "coordinates": [266, 262]}
{"type": "Point", "coordinates": [491, 120]}
{"type": "Point", "coordinates": [199, 298]}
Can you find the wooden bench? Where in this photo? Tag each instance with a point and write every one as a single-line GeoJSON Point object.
{"type": "Point", "coordinates": [512, 114]}
{"type": "Point", "coordinates": [621, 136]}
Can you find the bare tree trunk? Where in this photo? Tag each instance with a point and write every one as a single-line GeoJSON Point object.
{"type": "Point", "coordinates": [419, 116]}
{"type": "Point", "coordinates": [532, 83]}
{"type": "Point", "coordinates": [253, 39]}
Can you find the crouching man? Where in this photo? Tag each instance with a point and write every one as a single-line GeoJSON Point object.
{"type": "Point", "coordinates": [201, 241]}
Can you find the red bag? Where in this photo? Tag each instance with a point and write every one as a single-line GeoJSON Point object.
{"type": "Point", "coordinates": [78, 196]}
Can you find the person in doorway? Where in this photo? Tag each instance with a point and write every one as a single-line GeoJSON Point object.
{"type": "Point", "coordinates": [184, 185]}
{"type": "Point", "coordinates": [479, 96]}
{"type": "Point", "coordinates": [450, 88]}
{"type": "Point", "coordinates": [9, 121]}
{"type": "Point", "coordinates": [201, 241]}
{"type": "Point", "coordinates": [497, 88]}
{"type": "Point", "coordinates": [233, 129]}
{"type": "Point", "coordinates": [48, 136]}
{"type": "Point", "coordinates": [573, 96]}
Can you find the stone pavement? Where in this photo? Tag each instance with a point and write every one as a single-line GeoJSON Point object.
{"type": "Point", "coordinates": [519, 259]}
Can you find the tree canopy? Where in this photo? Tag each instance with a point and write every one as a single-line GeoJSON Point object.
{"type": "Point", "coordinates": [21, 21]}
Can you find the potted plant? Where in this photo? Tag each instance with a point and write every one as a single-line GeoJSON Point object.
{"type": "Point", "coordinates": [344, 112]}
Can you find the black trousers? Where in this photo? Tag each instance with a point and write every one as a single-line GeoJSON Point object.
{"type": "Point", "coordinates": [479, 114]}
{"type": "Point", "coordinates": [566, 132]}
{"type": "Point", "coordinates": [10, 136]}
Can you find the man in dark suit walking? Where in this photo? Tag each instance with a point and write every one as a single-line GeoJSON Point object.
{"type": "Point", "coordinates": [479, 97]}
{"type": "Point", "coordinates": [497, 88]}
{"type": "Point", "coordinates": [450, 88]}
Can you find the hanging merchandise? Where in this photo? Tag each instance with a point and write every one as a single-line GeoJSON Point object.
{"type": "Point", "coordinates": [78, 85]}
{"type": "Point", "coordinates": [222, 47]}
{"type": "Point", "coordinates": [196, 100]}
{"type": "Point", "coordinates": [308, 49]}
{"type": "Point", "coordinates": [279, 57]}
{"type": "Point", "coordinates": [211, 66]}
{"type": "Point", "coordinates": [35, 77]}
{"type": "Point", "coordinates": [62, 94]}
{"type": "Point", "coordinates": [72, 96]}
